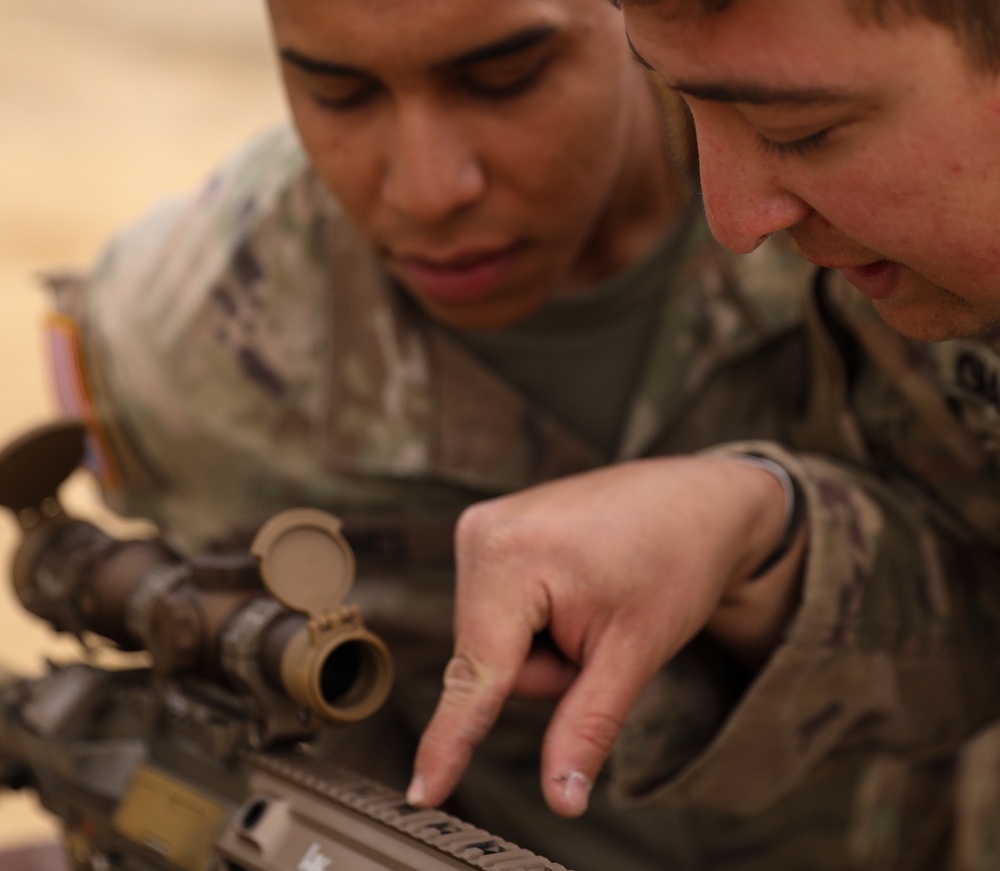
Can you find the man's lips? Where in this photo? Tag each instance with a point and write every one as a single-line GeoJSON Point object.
{"type": "Point", "coordinates": [876, 279]}
{"type": "Point", "coordinates": [465, 275]}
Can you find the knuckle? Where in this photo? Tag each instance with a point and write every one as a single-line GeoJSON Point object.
{"type": "Point", "coordinates": [460, 676]}
{"type": "Point", "coordinates": [599, 729]}
{"type": "Point", "coordinates": [484, 532]}
{"type": "Point", "coordinates": [472, 520]}
{"type": "Point", "coordinates": [464, 681]}
{"type": "Point", "coordinates": [478, 699]}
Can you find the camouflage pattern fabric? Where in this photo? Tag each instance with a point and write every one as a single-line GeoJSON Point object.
{"type": "Point", "coordinates": [246, 353]}
{"type": "Point", "coordinates": [870, 738]}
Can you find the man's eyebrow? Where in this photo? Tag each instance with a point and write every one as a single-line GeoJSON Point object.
{"type": "Point", "coordinates": [318, 67]}
{"type": "Point", "coordinates": [758, 95]}
{"type": "Point", "coordinates": [508, 45]}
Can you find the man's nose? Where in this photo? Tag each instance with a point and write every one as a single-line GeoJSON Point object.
{"type": "Point", "coordinates": [432, 171]}
{"type": "Point", "coordinates": [744, 200]}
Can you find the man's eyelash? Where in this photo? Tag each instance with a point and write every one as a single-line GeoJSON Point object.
{"type": "Point", "coordinates": [506, 89]}
{"type": "Point", "coordinates": [795, 148]}
{"type": "Point", "coordinates": [484, 89]}
{"type": "Point", "coordinates": [513, 88]}
{"type": "Point", "coordinates": [355, 99]}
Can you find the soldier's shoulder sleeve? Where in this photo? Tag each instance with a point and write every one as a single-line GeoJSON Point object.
{"type": "Point", "coordinates": [177, 295]}
{"type": "Point", "coordinates": [185, 243]}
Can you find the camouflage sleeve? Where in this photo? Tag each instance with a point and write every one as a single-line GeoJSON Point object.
{"type": "Point", "coordinates": [200, 329]}
{"type": "Point", "coordinates": [893, 649]}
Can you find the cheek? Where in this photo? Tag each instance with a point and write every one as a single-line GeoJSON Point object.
{"type": "Point", "coordinates": [925, 220]}
{"type": "Point", "coordinates": [875, 203]}
{"type": "Point", "coordinates": [920, 191]}
{"type": "Point", "coordinates": [344, 159]}
{"type": "Point", "coordinates": [561, 163]}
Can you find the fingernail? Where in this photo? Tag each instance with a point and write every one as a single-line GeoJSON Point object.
{"type": "Point", "coordinates": [576, 791]}
{"type": "Point", "coordinates": [415, 793]}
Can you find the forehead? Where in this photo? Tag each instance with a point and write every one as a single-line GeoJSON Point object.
{"type": "Point", "coordinates": [784, 39]}
{"type": "Point", "coordinates": [756, 18]}
{"type": "Point", "coordinates": [446, 27]}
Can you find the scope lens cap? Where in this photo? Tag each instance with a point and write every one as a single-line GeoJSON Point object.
{"type": "Point", "coordinates": [305, 561]}
{"type": "Point", "coordinates": [34, 465]}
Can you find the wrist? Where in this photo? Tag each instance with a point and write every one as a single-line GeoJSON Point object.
{"type": "Point", "coordinates": [793, 510]}
{"type": "Point", "coordinates": [753, 615]}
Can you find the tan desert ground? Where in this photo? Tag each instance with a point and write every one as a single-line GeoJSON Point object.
{"type": "Point", "coordinates": [105, 107]}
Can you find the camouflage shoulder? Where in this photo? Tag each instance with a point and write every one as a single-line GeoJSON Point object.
{"type": "Point", "coordinates": [244, 189]}
{"type": "Point", "coordinates": [205, 312]}
{"type": "Point", "coordinates": [264, 208]}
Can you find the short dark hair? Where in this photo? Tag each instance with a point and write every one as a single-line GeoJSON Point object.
{"type": "Point", "coordinates": [976, 23]}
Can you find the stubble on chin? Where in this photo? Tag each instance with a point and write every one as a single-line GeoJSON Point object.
{"type": "Point", "coordinates": [927, 312]}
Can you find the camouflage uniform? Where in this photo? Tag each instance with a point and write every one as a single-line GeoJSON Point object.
{"type": "Point", "coordinates": [245, 352]}
{"type": "Point", "coordinates": [869, 740]}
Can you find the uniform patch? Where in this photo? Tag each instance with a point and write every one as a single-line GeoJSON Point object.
{"type": "Point", "coordinates": [73, 393]}
{"type": "Point", "coordinates": [978, 376]}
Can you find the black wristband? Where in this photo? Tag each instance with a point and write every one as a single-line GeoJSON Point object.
{"type": "Point", "coordinates": [793, 509]}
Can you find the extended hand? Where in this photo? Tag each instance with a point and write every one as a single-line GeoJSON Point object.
{"type": "Point", "coordinates": [622, 567]}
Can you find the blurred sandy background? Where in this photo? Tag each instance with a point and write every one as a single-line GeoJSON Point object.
{"type": "Point", "coordinates": [105, 105]}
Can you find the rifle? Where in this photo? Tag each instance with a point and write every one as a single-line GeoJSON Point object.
{"type": "Point", "coordinates": [203, 756]}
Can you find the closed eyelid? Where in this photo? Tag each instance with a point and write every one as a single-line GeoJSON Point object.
{"type": "Point", "coordinates": [794, 147]}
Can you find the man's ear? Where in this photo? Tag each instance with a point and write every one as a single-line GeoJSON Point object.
{"type": "Point", "coordinates": [682, 143]}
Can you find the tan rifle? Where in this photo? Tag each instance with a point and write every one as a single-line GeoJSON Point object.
{"type": "Point", "coordinates": [203, 757]}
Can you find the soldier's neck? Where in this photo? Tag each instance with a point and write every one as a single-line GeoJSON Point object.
{"type": "Point", "coordinates": [648, 199]}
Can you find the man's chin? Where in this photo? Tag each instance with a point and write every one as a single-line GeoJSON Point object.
{"type": "Point", "coordinates": [936, 322]}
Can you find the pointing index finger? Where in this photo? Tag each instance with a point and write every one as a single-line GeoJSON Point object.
{"type": "Point", "coordinates": [477, 681]}
{"type": "Point", "coordinates": [500, 603]}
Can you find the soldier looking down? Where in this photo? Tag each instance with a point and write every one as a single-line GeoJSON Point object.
{"type": "Point", "coordinates": [471, 268]}
{"type": "Point", "coordinates": [867, 131]}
